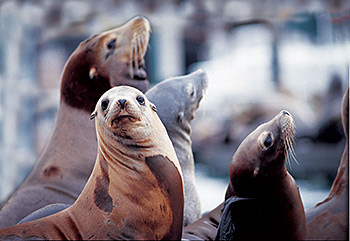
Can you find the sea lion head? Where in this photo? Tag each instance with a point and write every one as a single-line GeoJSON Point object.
{"type": "Point", "coordinates": [126, 115]}
{"type": "Point", "coordinates": [105, 60]}
{"type": "Point", "coordinates": [179, 107]}
{"type": "Point", "coordinates": [261, 157]}
{"type": "Point", "coordinates": [123, 52]}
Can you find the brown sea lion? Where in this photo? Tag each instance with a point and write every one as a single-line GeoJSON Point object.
{"type": "Point", "coordinates": [329, 220]}
{"type": "Point", "coordinates": [135, 190]}
{"type": "Point", "coordinates": [177, 99]}
{"type": "Point", "coordinates": [262, 200]}
{"type": "Point", "coordinates": [265, 198]}
{"type": "Point", "coordinates": [105, 60]}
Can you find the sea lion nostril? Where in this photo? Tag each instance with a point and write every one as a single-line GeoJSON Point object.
{"type": "Point", "coordinates": [285, 112]}
{"type": "Point", "coordinates": [122, 103]}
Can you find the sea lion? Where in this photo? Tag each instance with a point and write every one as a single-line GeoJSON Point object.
{"type": "Point", "coordinates": [265, 197]}
{"type": "Point", "coordinates": [262, 199]}
{"type": "Point", "coordinates": [136, 164]}
{"type": "Point", "coordinates": [204, 228]}
{"type": "Point", "coordinates": [329, 219]}
{"type": "Point", "coordinates": [105, 60]}
{"type": "Point", "coordinates": [176, 100]}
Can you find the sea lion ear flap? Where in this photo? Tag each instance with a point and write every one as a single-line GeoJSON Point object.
{"type": "Point", "coordinates": [93, 115]}
{"type": "Point", "coordinates": [93, 72]}
{"type": "Point", "coordinates": [256, 171]}
{"type": "Point", "coordinates": [180, 117]}
{"type": "Point", "coordinates": [153, 107]}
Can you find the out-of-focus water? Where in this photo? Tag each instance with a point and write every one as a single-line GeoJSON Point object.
{"type": "Point", "coordinates": [212, 191]}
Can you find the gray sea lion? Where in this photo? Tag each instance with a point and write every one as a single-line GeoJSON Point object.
{"type": "Point", "coordinates": [136, 164]}
{"type": "Point", "coordinates": [105, 60]}
{"type": "Point", "coordinates": [176, 100]}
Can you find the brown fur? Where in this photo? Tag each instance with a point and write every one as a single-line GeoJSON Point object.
{"type": "Point", "coordinates": [66, 162]}
{"type": "Point", "coordinates": [112, 66]}
{"type": "Point", "coordinates": [330, 219]}
{"type": "Point", "coordinates": [259, 173]}
{"type": "Point", "coordinates": [135, 190]}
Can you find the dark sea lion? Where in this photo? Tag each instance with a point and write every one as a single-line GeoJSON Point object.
{"type": "Point", "coordinates": [329, 220]}
{"type": "Point", "coordinates": [105, 60]}
{"type": "Point", "coordinates": [262, 200]}
{"type": "Point", "coordinates": [176, 100]}
{"type": "Point", "coordinates": [135, 190]}
{"type": "Point", "coordinates": [265, 198]}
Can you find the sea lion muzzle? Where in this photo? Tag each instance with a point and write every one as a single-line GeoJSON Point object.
{"type": "Point", "coordinates": [122, 103]}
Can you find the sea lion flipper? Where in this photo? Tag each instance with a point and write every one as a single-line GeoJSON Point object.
{"type": "Point", "coordinates": [227, 228]}
{"type": "Point", "coordinates": [45, 211]}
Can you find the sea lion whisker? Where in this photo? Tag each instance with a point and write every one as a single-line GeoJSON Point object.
{"type": "Point", "coordinates": [293, 152]}
{"type": "Point", "coordinates": [287, 148]}
{"type": "Point", "coordinates": [141, 31]}
{"type": "Point", "coordinates": [140, 47]}
{"type": "Point", "coordinates": [136, 62]}
{"type": "Point", "coordinates": [286, 145]}
{"type": "Point", "coordinates": [291, 141]}
{"type": "Point", "coordinates": [142, 39]}
{"type": "Point", "coordinates": [131, 59]}
{"type": "Point", "coordinates": [138, 50]}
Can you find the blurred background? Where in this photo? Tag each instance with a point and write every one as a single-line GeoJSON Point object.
{"type": "Point", "coordinates": [261, 57]}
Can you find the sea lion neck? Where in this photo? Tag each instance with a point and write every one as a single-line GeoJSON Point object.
{"type": "Point", "coordinates": [74, 129]}
{"type": "Point", "coordinates": [77, 89]}
{"type": "Point", "coordinates": [118, 156]}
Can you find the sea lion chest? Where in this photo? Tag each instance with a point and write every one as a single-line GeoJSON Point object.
{"type": "Point", "coordinates": [132, 206]}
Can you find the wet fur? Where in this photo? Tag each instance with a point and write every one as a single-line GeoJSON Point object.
{"type": "Point", "coordinates": [134, 192]}
{"type": "Point", "coordinates": [66, 162]}
{"type": "Point", "coordinates": [251, 163]}
{"type": "Point", "coordinates": [177, 100]}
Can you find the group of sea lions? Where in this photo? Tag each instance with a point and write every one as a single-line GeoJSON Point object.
{"type": "Point", "coordinates": [119, 163]}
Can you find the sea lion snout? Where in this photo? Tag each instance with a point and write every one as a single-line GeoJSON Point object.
{"type": "Point", "coordinates": [141, 21]}
{"type": "Point", "coordinates": [287, 124]}
{"type": "Point", "coordinates": [284, 112]}
{"type": "Point", "coordinates": [122, 103]}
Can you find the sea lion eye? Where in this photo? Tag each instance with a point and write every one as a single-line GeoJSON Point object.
{"type": "Point", "coordinates": [141, 100]}
{"type": "Point", "coordinates": [104, 104]}
{"type": "Point", "coordinates": [111, 44]}
{"type": "Point", "coordinates": [268, 141]}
